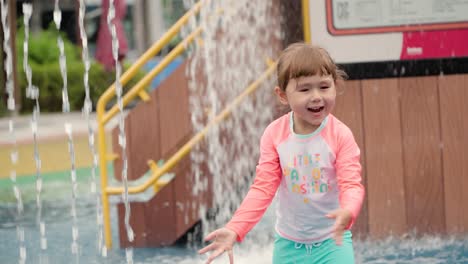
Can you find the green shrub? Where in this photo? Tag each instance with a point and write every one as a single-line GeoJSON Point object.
{"type": "Point", "coordinates": [44, 61]}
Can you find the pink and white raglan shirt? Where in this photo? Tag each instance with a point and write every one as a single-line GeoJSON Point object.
{"type": "Point", "coordinates": [313, 174]}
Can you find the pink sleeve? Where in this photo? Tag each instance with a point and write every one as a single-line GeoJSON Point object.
{"type": "Point", "coordinates": [262, 191]}
{"type": "Point", "coordinates": [348, 173]}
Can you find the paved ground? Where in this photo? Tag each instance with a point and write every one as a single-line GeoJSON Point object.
{"type": "Point", "coordinates": [52, 143]}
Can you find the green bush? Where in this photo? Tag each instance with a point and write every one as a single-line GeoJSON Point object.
{"type": "Point", "coordinates": [44, 61]}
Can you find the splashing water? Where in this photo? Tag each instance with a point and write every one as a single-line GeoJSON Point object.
{"type": "Point", "coordinates": [122, 137]}
{"type": "Point", "coordinates": [233, 52]}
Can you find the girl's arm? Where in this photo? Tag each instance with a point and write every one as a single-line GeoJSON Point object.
{"type": "Point", "coordinates": [261, 193]}
{"type": "Point", "coordinates": [348, 172]}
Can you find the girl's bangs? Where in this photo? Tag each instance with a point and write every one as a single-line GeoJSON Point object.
{"type": "Point", "coordinates": [308, 62]}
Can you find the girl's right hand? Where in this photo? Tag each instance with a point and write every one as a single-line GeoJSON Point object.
{"type": "Point", "coordinates": [223, 240]}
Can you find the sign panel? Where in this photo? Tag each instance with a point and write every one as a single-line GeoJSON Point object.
{"type": "Point", "coordinates": [373, 16]}
{"type": "Point", "coordinates": [355, 31]}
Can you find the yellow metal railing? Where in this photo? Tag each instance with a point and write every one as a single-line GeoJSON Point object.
{"type": "Point", "coordinates": [184, 150]}
{"type": "Point", "coordinates": [104, 117]}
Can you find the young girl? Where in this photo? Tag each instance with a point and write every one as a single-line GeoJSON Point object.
{"type": "Point", "coordinates": [311, 160]}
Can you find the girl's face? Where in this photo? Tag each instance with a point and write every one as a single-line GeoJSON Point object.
{"type": "Point", "coordinates": [311, 98]}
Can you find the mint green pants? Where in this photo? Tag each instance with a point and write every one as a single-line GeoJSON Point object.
{"type": "Point", "coordinates": [326, 252]}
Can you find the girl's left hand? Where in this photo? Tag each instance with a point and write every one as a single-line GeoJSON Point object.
{"type": "Point", "coordinates": [224, 240]}
{"type": "Point", "coordinates": [342, 218]}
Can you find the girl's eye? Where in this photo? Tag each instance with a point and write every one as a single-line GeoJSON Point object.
{"type": "Point", "coordinates": [324, 87]}
{"type": "Point", "coordinates": [303, 88]}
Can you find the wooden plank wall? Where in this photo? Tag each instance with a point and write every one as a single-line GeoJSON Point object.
{"type": "Point", "coordinates": [453, 95]}
{"type": "Point", "coordinates": [169, 214]}
{"type": "Point", "coordinates": [350, 109]}
{"type": "Point", "coordinates": [414, 143]}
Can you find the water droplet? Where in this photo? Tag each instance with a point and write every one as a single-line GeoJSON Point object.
{"type": "Point", "coordinates": [68, 128]}
{"type": "Point", "coordinates": [10, 126]}
{"type": "Point", "coordinates": [57, 18]}
{"type": "Point", "coordinates": [129, 255]}
{"type": "Point", "coordinates": [11, 104]}
{"type": "Point", "coordinates": [93, 187]}
{"type": "Point", "coordinates": [34, 127]}
{"type": "Point", "coordinates": [122, 141]}
{"type": "Point", "coordinates": [43, 243]}
{"type": "Point", "coordinates": [75, 233]}
{"type": "Point", "coordinates": [104, 251]}
{"type": "Point", "coordinates": [14, 156]}
{"type": "Point", "coordinates": [13, 176]}
{"type": "Point", "coordinates": [42, 228]}
{"type": "Point", "coordinates": [130, 233]}
{"type": "Point", "coordinates": [17, 192]}
{"type": "Point", "coordinates": [39, 185]}
{"type": "Point", "coordinates": [34, 92]}
{"type": "Point", "coordinates": [20, 233]}
{"type": "Point", "coordinates": [27, 9]}
{"type": "Point", "coordinates": [22, 253]}
{"type": "Point", "coordinates": [74, 248]}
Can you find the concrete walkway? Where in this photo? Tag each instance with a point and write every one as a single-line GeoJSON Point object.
{"type": "Point", "coordinates": [52, 142]}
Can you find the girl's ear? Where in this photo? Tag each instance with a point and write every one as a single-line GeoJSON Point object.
{"type": "Point", "coordinates": [281, 96]}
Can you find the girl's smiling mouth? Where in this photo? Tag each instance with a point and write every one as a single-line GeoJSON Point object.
{"type": "Point", "coordinates": [315, 109]}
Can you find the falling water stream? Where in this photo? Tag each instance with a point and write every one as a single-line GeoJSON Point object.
{"type": "Point", "coordinates": [87, 108]}
{"type": "Point", "coordinates": [11, 127]}
{"type": "Point", "coordinates": [32, 92]}
{"type": "Point", "coordinates": [122, 137]}
{"type": "Point", "coordinates": [75, 247]}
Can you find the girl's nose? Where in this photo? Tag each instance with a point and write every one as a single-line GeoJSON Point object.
{"type": "Point", "coordinates": [315, 95]}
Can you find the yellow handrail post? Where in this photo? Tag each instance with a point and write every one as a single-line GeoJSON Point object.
{"type": "Point", "coordinates": [103, 171]}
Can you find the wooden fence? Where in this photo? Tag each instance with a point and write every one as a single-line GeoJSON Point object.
{"type": "Point", "coordinates": [413, 135]}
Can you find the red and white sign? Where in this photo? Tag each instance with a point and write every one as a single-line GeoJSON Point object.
{"type": "Point", "coordinates": [380, 30]}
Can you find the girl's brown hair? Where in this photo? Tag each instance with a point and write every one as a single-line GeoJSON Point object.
{"type": "Point", "coordinates": [302, 59]}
